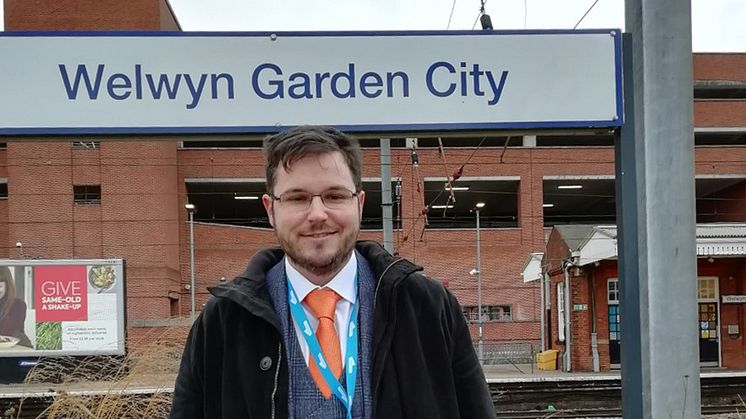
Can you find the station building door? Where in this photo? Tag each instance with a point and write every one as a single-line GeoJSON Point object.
{"type": "Point", "coordinates": [709, 321]}
{"type": "Point", "coordinates": [615, 333]}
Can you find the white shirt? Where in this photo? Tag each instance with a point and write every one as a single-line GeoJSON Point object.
{"type": "Point", "coordinates": [343, 284]}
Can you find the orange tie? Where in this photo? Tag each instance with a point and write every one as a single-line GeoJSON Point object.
{"type": "Point", "coordinates": [322, 303]}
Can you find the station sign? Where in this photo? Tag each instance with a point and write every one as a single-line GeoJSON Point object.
{"type": "Point", "coordinates": [57, 83]}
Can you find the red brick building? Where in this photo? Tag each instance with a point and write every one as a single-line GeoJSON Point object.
{"type": "Point", "coordinates": [720, 123]}
{"type": "Point", "coordinates": [91, 197]}
{"type": "Point", "coordinates": [583, 257]}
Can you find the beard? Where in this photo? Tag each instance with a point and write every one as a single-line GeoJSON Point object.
{"type": "Point", "coordinates": [317, 260]}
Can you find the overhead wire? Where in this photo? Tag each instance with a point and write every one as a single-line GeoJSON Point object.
{"type": "Point", "coordinates": [453, 7]}
{"type": "Point", "coordinates": [425, 210]}
{"type": "Point", "coordinates": [525, 13]}
{"type": "Point", "coordinates": [585, 14]}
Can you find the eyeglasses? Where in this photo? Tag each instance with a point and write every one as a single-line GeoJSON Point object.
{"type": "Point", "coordinates": [301, 201]}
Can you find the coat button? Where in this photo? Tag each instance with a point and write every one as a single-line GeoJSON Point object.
{"type": "Point", "coordinates": [265, 363]}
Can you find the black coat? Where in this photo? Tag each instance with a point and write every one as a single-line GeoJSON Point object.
{"type": "Point", "coordinates": [424, 364]}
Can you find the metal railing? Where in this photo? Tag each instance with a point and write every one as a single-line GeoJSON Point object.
{"type": "Point", "coordinates": [519, 354]}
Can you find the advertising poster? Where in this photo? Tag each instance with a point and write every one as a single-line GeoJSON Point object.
{"type": "Point", "coordinates": [61, 307]}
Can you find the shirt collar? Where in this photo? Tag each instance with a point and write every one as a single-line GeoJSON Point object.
{"type": "Point", "coordinates": [343, 283]}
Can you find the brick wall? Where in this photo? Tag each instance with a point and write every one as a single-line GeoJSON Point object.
{"type": "Point", "coordinates": [136, 219]}
{"type": "Point", "coordinates": [23, 15]}
{"type": "Point", "coordinates": [732, 281]}
{"type": "Point", "coordinates": [719, 113]}
{"type": "Point", "coordinates": [718, 66]}
{"type": "Point", "coordinates": [6, 248]}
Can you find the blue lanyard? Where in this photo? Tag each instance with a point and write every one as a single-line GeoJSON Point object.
{"type": "Point", "coordinates": [315, 350]}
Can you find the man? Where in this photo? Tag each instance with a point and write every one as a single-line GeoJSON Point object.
{"type": "Point", "coordinates": [324, 327]}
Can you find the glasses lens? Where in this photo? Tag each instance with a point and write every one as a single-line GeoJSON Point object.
{"type": "Point", "coordinates": [296, 200]}
{"type": "Point", "coordinates": [336, 199]}
{"type": "Point", "coordinates": [302, 200]}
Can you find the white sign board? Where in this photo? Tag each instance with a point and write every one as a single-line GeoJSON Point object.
{"type": "Point", "coordinates": [734, 299]}
{"type": "Point", "coordinates": [63, 307]}
{"type": "Point", "coordinates": [89, 83]}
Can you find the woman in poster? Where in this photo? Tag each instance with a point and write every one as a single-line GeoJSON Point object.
{"type": "Point", "coordinates": [12, 309]}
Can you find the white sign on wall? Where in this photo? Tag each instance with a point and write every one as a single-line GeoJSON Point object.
{"type": "Point", "coordinates": [734, 299]}
{"type": "Point", "coordinates": [90, 83]}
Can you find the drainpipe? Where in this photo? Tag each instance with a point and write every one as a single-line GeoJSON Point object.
{"type": "Point", "coordinates": [543, 309]}
{"type": "Point", "coordinates": [594, 334]}
{"type": "Point", "coordinates": [567, 264]}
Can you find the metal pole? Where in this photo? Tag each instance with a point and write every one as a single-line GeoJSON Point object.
{"type": "Point", "coordinates": [191, 263]}
{"type": "Point", "coordinates": [480, 344]}
{"type": "Point", "coordinates": [628, 252]}
{"type": "Point", "coordinates": [665, 231]}
{"type": "Point", "coordinates": [386, 205]}
{"type": "Point", "coordinates": [568, 314]}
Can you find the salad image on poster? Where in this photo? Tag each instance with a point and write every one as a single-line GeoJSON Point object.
{"type": "Point", "coordinates": [102, 278]}
{"type": "Point", "coordinates": [49, 335]}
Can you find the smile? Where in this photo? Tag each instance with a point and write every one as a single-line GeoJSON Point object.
{"type": "Point", "coordinates": [319, 235]}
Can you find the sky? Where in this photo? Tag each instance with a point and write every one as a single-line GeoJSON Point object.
{"type": "Point", "coordinates": [717, 25]}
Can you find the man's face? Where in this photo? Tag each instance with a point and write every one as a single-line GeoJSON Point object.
{"type": "Point", "coordinates": [317, 239]}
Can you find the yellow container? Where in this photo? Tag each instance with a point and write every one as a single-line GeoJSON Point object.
{"type": "Point", "coordinates": [550, 355]}
{"type": "Point", "coordinates": [547, 360]}
{"type": "Point", "coordinates": [548, 365]}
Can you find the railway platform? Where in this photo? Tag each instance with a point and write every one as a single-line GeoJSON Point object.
{"type": "Point", "coordinates": [518, 391]}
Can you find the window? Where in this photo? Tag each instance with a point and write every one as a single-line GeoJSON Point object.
{"type": "Point", "coordinates": [615, 327]}
{"type": "Point", "coordinates": [707, 288]}
{"type": "Point", "coordinates": [721, 199]}
{"type": "Point", "coordinates": [568, 200]}
{"type": "Point", "coordinates": [376, 143]}
{"type": "Point", "coordinates": [500, 198]}
{"type": "Point", "coordinates": [612, 294]}
{"type": "Point", "coordinates": [87, 194]}
{"type": "Point", "coordinates": [373, 211]}
{"type": "Point", "coordinates": [490, 313]}
{"type": "Point", "coordinates": [612, 290]}
{"type": "Point", "coordinates": [86, 145]}
{"type": "Point", "coordinates": [561, 312]}
{"type": "Point", "coordinates": [3, 189]}
{"type": "Point", "coordinates": [470, 142]}
{"type": "Point", "coordinates": [587, 140]}
{"type": "Point", "coordinates": [735, 138]}
{"type": "Point", "coordinates": [716, 89]}
{"type": "Point", "coordinates": [252, 143]}
{"type": "Point", "coordinates": [228, 201]}
{"type": "Point", "coordinates": [259, 141]}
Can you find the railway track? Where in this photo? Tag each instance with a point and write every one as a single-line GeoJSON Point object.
{"type": "Point", "coordinates": [598, 398]}
{"type": "Point", "coordinates": [601, 413]}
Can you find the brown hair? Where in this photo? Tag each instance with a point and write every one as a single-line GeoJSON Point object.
{"type": "Point", "coordinates": [10, 291]}
{"type": "Point", "coordinates": [286, 147]}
